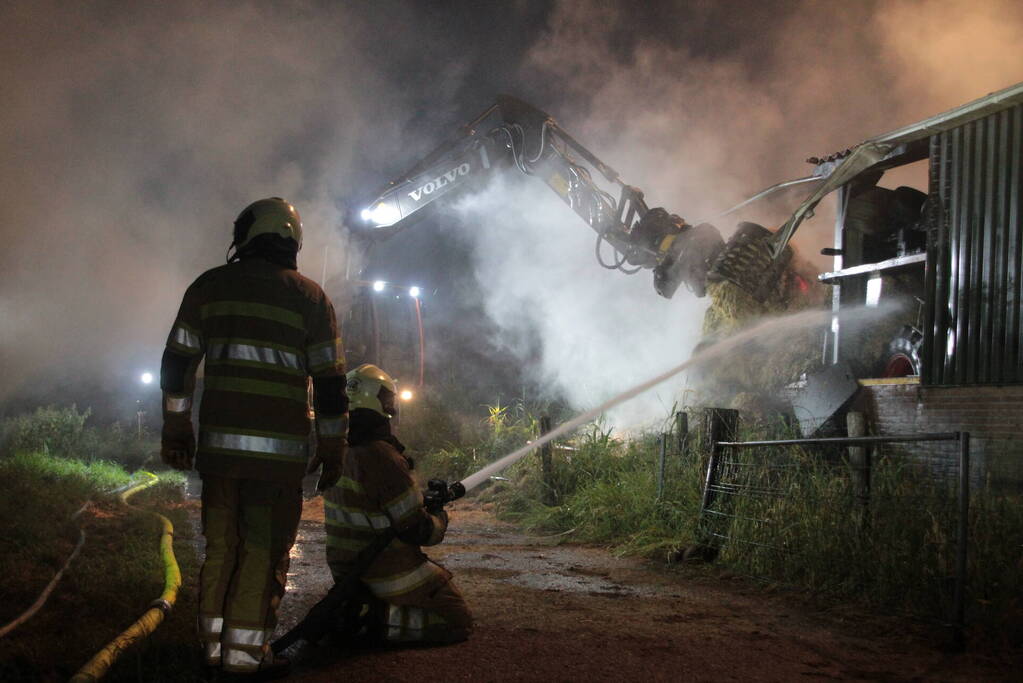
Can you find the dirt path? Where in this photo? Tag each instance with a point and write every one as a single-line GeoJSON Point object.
{"type": "Point", "coordinates": [547, 612]}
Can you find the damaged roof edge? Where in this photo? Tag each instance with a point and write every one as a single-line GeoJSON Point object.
{"type": "Point", "coordinates": [953, 118]}
{"type": "Point", "coordinates": [763, 193]}
{"type": "Point", "coordinates": [873, 150]}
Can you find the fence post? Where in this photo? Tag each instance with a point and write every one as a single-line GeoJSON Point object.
{"type": "Point", "coordinates": [660, 466]}
{"type": "Point", "coordinates": [859, 464]}
{"type": "Point", "coordinates": [681, 432]}
{"type": "Point", "coordinates": [963, 527]}
{"type": "Point", "coordinates": [545, 463]}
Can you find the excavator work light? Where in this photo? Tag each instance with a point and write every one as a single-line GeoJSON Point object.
{"type": "Point", "coordinates": [381, 214]}
{"type": "Point", "coordinates": [405, 395]}
{"type": "Point", "coordinates": [379, 285]}
{"type": "Point", "coordinates": [146, 378]}
{"type": "Point", "coordinates": [414, 292]}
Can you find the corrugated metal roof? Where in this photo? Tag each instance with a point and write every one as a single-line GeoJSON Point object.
{"type": "Point", "coordinates": [953, 118]}
{"type": "Point", "coordinates": [871, 151]}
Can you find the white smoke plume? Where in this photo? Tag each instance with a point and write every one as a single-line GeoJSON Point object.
{"type": "Point", "coordinates": [699, 133]}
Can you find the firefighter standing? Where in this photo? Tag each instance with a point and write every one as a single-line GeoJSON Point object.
{"type": "Point", "coordinates": [415, 600]}
{"type": "Point", "coordinates": [263, 329]}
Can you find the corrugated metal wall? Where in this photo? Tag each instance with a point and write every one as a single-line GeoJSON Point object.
{"type": "Point", "coordinates": [975, 256]}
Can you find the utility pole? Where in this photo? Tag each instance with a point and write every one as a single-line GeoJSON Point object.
{"type": "Point", "coordinates": [139, 414]}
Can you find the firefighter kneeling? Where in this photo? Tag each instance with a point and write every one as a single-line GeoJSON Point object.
{"type": "Point", "coordinates": [411, 598]}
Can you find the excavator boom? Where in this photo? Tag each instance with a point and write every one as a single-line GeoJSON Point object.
{"type": "Point", "coordinates": [511, 134]}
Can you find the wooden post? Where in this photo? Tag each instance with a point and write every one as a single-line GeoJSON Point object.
{"type": "Point", "coordinates": [859, 464]}
{"type": "Point", "coordinates": [546, 468]}
{"type": "Point", "coordinates": [681, 432]}
{"type": "Point", "coordinates": [660, 466]}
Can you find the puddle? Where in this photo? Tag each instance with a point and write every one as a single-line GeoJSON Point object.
{"type": "Point", "coordinates": [554, 569]}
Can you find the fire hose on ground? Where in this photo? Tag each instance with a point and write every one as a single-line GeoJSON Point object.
{"type": "Point", "coordinates": [101, 662]}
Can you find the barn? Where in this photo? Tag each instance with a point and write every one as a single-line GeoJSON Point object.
{"type": "Point", "coordinates": [946, 250]}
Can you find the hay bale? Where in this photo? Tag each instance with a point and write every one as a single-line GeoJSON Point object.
{"type": "Point", "coordinates": [760, 371]}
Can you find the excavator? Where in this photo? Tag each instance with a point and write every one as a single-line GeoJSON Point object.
{"type": "Point", "coordinates": [512, 134]}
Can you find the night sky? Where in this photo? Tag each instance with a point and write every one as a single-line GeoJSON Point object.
{"type": "Point", "coordinates": [135, 132]}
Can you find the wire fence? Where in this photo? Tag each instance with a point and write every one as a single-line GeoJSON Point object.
{"type": "Point", "coordinates": [857, 516]}
{"type": "Point", "coordinates": [909, 524]}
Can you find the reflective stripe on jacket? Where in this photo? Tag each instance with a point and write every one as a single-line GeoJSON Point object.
{"type": "Point", "coordinates": [376, 491]}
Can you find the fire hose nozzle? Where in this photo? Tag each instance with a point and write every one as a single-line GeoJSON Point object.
{"type": "Point", "coordinates": [439, 493]}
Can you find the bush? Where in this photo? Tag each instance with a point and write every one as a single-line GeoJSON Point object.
{"type": "Point", "coordinates": [62, 432]}
{"type": "Point", "coordinates": [116, 444]}
{"type": "Point", "coordinates": [476, 444]}
{"type": "Point", "coordinates": [49, 429]}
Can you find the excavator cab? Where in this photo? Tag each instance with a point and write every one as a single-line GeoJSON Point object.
{"type": "Point", "coordinates": [383, 325]}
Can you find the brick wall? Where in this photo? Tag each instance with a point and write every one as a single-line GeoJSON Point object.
{"type": "Point", "coordinates": [993, 416]}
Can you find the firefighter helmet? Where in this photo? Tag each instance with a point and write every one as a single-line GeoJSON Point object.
{"type": "Point", "coordinates": [372, 388]}
{"type": "Point", "coordinates": [267, 216]}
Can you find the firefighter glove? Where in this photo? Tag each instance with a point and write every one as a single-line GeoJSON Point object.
{"type": "Point", "coordinates": [177, 443]}
{"type": "Point", "coordinates": [330, 454]}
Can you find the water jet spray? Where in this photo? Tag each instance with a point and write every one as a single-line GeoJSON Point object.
{"type": "Point", "coordinates": [773, 329]}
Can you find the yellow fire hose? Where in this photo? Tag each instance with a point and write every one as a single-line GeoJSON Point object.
{"type": "Point", "coordinates": [98, 666]}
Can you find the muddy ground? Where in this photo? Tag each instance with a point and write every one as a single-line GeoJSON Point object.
{"type": "Point", "coordinates": [552, 611]}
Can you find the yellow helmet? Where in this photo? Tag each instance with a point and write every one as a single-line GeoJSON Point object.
{"type": "Point", "coordinates": [267, 216]}
{"type": "Point", "coordinates": [365, 384]}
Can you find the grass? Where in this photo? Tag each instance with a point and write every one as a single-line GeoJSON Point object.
{"type": "Point", "coordinates": [897, 553]}
{"type": "Point", "coordinates": [898, 557]}
{"type": "Point", "coordinates": [107, 587]}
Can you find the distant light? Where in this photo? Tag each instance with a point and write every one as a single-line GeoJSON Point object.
{"type": "Point", "coordinates": [378, 286]}
{"type": "Point", "coordinates": [414, 291]}
{"type": "Point", "coordinates": [405, 395]}
{"type": "Point", "coordinates": [147, 378]}
{"type": "Point", "coordinates": [381, 215]}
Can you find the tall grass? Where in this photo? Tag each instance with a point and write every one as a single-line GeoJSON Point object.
{"type": "Point", "coordinates": [453, 447]}
{"type": "Point", "coordinates": [896, 550]}
{"type": "Point", "coordinates": [805, 529]}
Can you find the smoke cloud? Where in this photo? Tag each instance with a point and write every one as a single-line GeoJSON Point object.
{"type": "Point", "coordinates": [134, 133]}
{"type": "Point", "coordinates": [133, 136]}
{"type": "Point", "coordinates": [700, 124]}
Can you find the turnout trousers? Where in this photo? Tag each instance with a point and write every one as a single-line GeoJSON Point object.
{"type": "Point", "coordinates": [438, 615]}
{"type": "Point", "coordinates": [249, 527]}
{"type": "Point", "coordinates": [432, 613]}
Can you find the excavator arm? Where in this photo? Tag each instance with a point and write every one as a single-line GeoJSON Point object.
{"type": "Point", "coordinates": [511, 134]}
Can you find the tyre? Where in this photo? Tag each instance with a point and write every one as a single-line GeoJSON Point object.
{"type": "Point", "coordinates": [902, 358]}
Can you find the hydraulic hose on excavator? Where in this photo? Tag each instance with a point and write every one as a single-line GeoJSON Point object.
{"type": "Point", "coordinates": [101, 662]}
